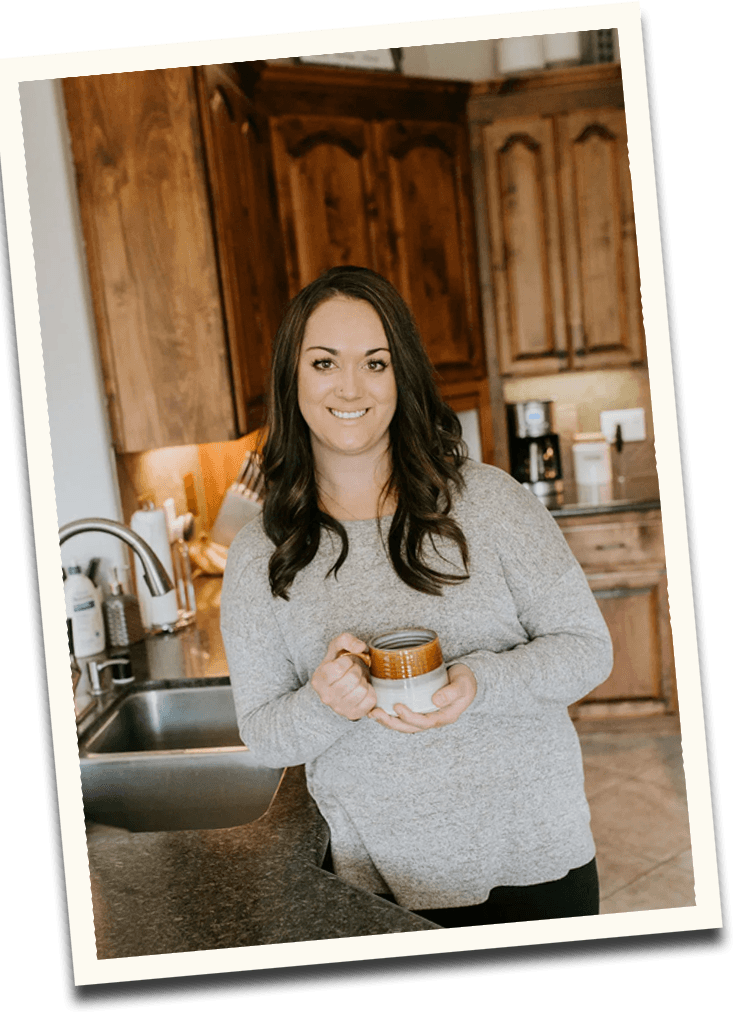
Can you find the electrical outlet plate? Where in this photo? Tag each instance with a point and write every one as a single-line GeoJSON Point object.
{"type": "Point", "coordinates": [632, 421]}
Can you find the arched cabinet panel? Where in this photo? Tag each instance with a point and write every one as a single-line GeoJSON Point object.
{"type": "Point", "coordinates": [525, 249]}
{"type": "Point", "coordinates": [601, 249]}
{"type": "Point", "coordinates": [558, 263]}
{"type": "Point", "coordinates": [430, 250]}
{"type": "Point", "coordinates": [326, 195]}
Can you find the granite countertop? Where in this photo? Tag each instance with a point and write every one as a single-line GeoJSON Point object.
{"type": "Point", "coordinates": [636, 494]}
{"type": "Point", "coordinates": [186, 890]}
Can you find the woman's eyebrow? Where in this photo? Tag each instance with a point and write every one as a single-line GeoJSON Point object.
{"type": "Point", "coordinates": [334, 351]}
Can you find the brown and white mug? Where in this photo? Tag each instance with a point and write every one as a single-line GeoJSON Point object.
{"type": "Point", "coordinates": [405, 666]}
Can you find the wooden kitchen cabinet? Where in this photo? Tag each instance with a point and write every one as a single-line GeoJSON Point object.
{"type": "Point", "coordinates": [175, 210]}
{"type": "Point", "coordinates": [326, 191]}
{"type": "Point", "coordinates": [525, 236]}
{"type": "Point", "coordinates": [375, 171]}
{"type": "Point", "coordinates": [560, 275]}
{"type": "Point", "coordinates": [211, 195]}
{"type": "Point", "coordinates": [392, 196]}
{"type": "Point", "coordinates": [602, 272]}
{"type": "Point", "coordinates": [245, 213]}
{"type": "Point", "coordinates": [430, 253]}
{"type": "Point", "coordinates": [151, 257]}
{"type": "Point", "coordinates": [623, 557]}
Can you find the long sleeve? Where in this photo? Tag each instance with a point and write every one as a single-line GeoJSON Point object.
{"type": "Point", "coordinates": [568, 649]}
{"type": "Point", "coordinates": [568, 653]}
{"type": "Point", "coordinates": [280, 716]}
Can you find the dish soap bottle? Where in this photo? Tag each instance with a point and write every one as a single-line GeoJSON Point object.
{"type": "Point", "coordinates": [122, 617]}
{"type": "Point", "coordinates": [84, 613]}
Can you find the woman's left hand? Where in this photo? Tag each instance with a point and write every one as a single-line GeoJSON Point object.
{"type": "Point", "coordinates": [452, 700]}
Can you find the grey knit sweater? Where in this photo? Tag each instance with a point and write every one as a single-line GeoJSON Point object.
{"type": "Point", "coordinates": [440, 817]}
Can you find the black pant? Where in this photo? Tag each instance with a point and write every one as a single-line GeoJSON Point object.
{"type": "Point", "coordinates": [576, 894]}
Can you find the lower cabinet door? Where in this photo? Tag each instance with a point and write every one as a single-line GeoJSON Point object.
{"type": "Point", "coordinates": [635, 607]}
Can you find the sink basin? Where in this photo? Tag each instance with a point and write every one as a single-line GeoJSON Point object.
{"type": "Point", "coordinates": [182, 717]}
{"type": "Point", "coordinates": [172, 759]}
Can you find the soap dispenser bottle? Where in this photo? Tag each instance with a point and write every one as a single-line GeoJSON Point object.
{"type": "Point", "coordinates": [123, 621]}
{"type": "Point", "coordinates": [83, 613]}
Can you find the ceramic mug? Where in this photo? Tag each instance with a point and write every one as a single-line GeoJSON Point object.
{"type": "Point", "coordinates": [405, 666]}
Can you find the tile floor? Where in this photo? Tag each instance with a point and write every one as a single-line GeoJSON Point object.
{"type": "Point", "coordinates": [636, 792]}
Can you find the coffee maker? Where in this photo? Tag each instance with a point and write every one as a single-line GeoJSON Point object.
{"type": "Point", "coordinates": [535, 456]}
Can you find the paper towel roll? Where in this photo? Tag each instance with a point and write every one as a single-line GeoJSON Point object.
{"type": "Point", "coordinates": [163, 609]}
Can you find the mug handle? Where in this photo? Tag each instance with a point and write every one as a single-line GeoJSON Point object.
{"type": "Point", "coordinates": [363, 656]}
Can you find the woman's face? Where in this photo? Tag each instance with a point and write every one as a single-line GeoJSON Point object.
{"type": "Point", "coordinates": [346, 385]}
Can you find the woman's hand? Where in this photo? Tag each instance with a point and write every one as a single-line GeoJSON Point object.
{"type": "Point", "coordinates": [341, 682]}
{"type": "Point", "coordinates": [451, 700]}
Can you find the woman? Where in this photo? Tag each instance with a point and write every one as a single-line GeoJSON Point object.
{"type": "Point", "coordinates": [374, 519]}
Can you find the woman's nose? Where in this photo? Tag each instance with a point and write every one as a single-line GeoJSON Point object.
{"type": "Point", "coordinates": [349, 386]}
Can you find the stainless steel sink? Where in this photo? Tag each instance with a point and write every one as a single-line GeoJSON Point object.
{"type": "Point", "coordinates": [182, 717]}
{"type": "Point", "coordinates": [172, 759]}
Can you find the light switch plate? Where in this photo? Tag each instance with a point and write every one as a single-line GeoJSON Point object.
{"type": "Point", "coordinates": [632, 421]}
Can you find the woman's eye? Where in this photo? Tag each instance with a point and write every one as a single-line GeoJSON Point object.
{"type": "Point", "coordinates": [377, 365]}
{"type": "Point", "coordinates": [323, 364]}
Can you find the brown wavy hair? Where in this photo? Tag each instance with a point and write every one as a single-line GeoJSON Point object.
{"type": "Point", "coordinates": [425, 443]}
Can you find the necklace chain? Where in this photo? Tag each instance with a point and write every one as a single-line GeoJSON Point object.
{"type": "Point", "coordinates": [336, 502]}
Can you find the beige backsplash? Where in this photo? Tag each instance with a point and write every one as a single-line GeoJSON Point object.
{"type": "Point", "coordinates": [578, 399]}
{"type": "Point", "coordinates": [160, 474]}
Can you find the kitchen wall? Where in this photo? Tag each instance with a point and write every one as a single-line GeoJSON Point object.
{"type": "Point", "coordinates": [84, 463]}
{"type": "Point", "coordinates": [462, 61]}
{"type": "Point", "coordinates": [483, 59]}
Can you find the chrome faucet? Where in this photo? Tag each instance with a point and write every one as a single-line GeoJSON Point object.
{"type": "Point", "coordinates": [153, 570]}
{"type": "Point", "coordinates": [155, 577]}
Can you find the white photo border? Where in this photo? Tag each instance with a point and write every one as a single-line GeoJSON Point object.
{"type": "Point", "coordinates": [87, 968]}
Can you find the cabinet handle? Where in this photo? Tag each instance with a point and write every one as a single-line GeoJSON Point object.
{"type": "Point", "coordinates": [621, 592]}
{"type": "Point", "coordinates": [248, 125]}
{"type": "Point", "coordinates": [610, 545]}
{"type": "Point", "coordinates": [219, 98]}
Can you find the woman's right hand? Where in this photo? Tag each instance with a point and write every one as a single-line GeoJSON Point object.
{"type": "Point", "coordinates": [341, 679]}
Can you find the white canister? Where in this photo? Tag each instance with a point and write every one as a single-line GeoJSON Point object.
{"type": "Point", "coordinates": [592, 465]}
{"type": "Point", "coordinates": [523, 53]}
{"type": "Point", "coordinates": [562, 49]}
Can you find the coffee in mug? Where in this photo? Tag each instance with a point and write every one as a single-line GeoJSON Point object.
{"type": "Point", "coordinates": [406, 666]}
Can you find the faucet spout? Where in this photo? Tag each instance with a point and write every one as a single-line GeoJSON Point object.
{"type": "Point", "coordinates": [153, 570]}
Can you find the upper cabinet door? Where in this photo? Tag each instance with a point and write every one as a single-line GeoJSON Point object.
{"type": "Point", "coordinates": [325, 180]}
{"type": "Point", "coordinates": [525, 244]}
{"type": "Point", "coordinates": [604, 305]}
{"type": "Point", "coordinates": [430, 253]}
{"type": "Point", "coordinates": [254, 286]}
{"type": "Point", "coordinates": [151, 257]}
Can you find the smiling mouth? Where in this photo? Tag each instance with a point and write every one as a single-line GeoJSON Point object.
{"type": "Point", "coordinates": [348, 415]}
